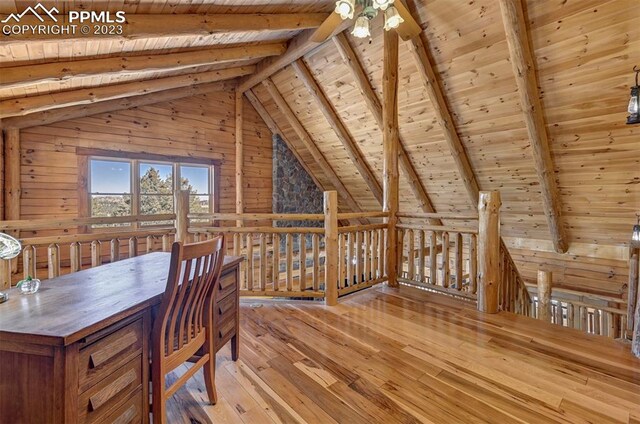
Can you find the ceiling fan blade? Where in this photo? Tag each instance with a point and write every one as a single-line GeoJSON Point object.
{"type": "Point", "coordinates": [326, 28]}
{"type": "Point", "coordinates": [409, 28]}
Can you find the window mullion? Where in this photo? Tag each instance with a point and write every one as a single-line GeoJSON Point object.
{"type": "Point", "coordinates": [135, 190]}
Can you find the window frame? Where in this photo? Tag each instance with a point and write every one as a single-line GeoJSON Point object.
{"type": "Point", "coordinates": [86, 156]}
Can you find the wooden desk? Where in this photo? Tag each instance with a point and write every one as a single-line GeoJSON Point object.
{"type": "Point", "coordinates": [77, 351]}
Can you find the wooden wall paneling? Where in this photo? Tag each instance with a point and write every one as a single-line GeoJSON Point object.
{"type": "Point", "coordinates": [72, 112]}
{"type": "Point", "coordinates": [524, 69]}
{"type": "Point", "coordinates": [27, 105]}
{"type": "Point", "coordinates": [350, 58]}
{"type": "Point", "coordinates": [390, 139]}
{"type": "Point", "coordinates": [432, 86]}
{"type": "Point", "coordinates": [310, 145]}
{"type": "Point", "coordinates": [297, 47]}
{"type": "Point", "coordinates": [273, 127]}
{"type": "Point", "coordinates": [356, 156]}
{"type": "Point", "coordinates": [148, 25]}
{"type": "Point", "coordinates": [2, 173]}
{"type": "Point", "coordinates": [201, 126]}
{"type": "Point", "coordinates": [17, 76]}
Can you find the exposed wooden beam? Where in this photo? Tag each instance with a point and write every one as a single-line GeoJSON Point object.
{"type": "Point", "coordinates": [275, 129]}
{"type": "Point", "coordinates": [298, 47]}
{"type": "Point", "coordinates": [390, 142]}
{"type": "Point", "coordinates": [311, 146]}
{"type": "Point", "coordinates": [27, 105]}
{"type": "Point", "coordinates": [350, 145]}
{"type": "Point", "coordinates": [18, 76]}
{"type": "Point", "coordinates": [239, 159]}
{"type": "Point", "coordinates": [371, 98]}
{"type": "Point", "coordinates": [523, 64]}
{"type": "Point", "coordinates": [171, 25]}
{"type": "Point", "coordinates": [441, 109]}
{"type": "Point", "coordinates": [63, 114]}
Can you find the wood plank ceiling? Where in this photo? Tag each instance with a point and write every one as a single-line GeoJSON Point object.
{"type": "Point", "coordinates": [583, 52]}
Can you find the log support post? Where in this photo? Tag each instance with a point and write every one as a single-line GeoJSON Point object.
{"type": "Point", "coordinates": [239, 168]}
{"type": "Point", "coordinates": [544, 295]}
{"type": "Point", "coordinates": [390, 141]}
{"type": "Point", "coordinates": [182, 212]}
{"type": "Point", "coordinates": [12, 188]}
{"type": "Point", "coordinates": [331, 247]}
{"type": "Point", "coordinates": [489, 251]}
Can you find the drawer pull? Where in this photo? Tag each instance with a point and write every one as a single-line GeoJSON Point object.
{"type": "Point", "coordinates": [109, 351]}
{"type": "Point", "coordinates": [225, 306]}
{"type": "Point", "coordinates": [227, 282]}
{"type": "Point", "coordinates": [228, 327]}
{"type": "Point", "coordinates": [103, 396]}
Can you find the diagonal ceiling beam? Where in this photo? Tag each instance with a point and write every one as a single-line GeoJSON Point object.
{"type": "Point", "coordinates": [18, 76]}
{"type": "Point", "coordinates": [311, 146]}
{"type": "Point", "coordinates": [56, 115]}
{"type": "Point", "coordinates": [297, 47]}
{"type": "Point", "coordinates": [523, 65]}
{"type": "Point", "coordinates": [351, 60]}
{"type": "Point", "coordinates": [273, 127]}
{"type": "Point", "coordinates": [171, 25]}
{"type": "Point", "coordinates": [426, 72]}
{"type": "Point", "coordinates": [26, 105]}
{"type": "Point", "coordinates": [350, 145]}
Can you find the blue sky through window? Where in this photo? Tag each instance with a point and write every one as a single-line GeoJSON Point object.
{"type": "Point", "coordinates": [198, 177]}
{"type": "Point", "coordinates": [110, 176]}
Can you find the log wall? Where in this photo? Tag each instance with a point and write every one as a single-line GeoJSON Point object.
{"type": "Point", "coordinates": [201, 126]}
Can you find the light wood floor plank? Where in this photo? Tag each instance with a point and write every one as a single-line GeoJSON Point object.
{"type": "Point", "coordinates": [408, 356]}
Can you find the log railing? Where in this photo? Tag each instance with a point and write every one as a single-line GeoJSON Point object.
{"type": "Point", "coordinates": [49, 256]}
{"type": "Point", "coordinates": [514, 296]}
{"type": "Point", "coordinates": [284, 261]}
{"type": "Point", "coordinates": [438, 258]}
{"type": "Point", "coordinates": [445, 258]}
{"type": "Point", "coordinates": [590, 313]}
{"type": "Point", "coordinates": [361, 252]}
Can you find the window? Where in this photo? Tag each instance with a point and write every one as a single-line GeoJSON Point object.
{"type": "Point", "coordinates": [110, 191]}
{"type": "Point", "coordinates": [129, 187]}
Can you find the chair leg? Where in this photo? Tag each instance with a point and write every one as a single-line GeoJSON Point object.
{"type": "Point", "coordinates": [158, 406]}
{"type": "Point", "coordinates": [209, 370]}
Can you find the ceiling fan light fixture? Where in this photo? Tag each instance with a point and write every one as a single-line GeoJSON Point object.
{"type": "Point", "coordinates": [345, 8]}
{"type": "Point", "coordinates": [382, 4]}
{"type": "Point", "coordinates": [361, 28]}
{"type": "Point", "coordinates": [392, 18]}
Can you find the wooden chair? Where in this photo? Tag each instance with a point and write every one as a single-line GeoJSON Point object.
{"type": "Point", "coordinates": [182, 325]}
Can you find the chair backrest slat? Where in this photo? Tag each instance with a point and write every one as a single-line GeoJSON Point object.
{"type": "Point", "coordinates": [194, 268]}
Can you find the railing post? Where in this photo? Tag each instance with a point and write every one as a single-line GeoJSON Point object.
{"type": "Point", "coordinates": [182, 210]}
{"type": "Point", "coordinates": [544, 295]}
{"type": "Point", "coordinates": [5, 274]}
{"type": "Point", "coordinates": [633, 290]}
{"type": "Point", "coordinates": [331, 248]}
{"type": "Point", "coordinates": [488, 251]}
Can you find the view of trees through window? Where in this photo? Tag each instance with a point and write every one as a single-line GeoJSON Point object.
{"type": "Point", "coordinates": [112, 195]}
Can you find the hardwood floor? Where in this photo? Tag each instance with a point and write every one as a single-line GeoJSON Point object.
{"type": "Point", "coordinates": [407, 356]}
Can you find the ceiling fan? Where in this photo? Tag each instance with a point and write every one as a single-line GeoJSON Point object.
{"type": "Point", "coordinates": [396, 16]}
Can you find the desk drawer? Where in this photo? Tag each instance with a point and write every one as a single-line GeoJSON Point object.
{"type": "Point", "coordinates": [101, 358]}
{"type": "Point", "coordinates": [225, 308]}
{"type": "Point", "coordinates": [224, 331]}
{"type": "Point", "coordinates": [227, 284]}
{"type": "Point", "coordinates": [101, 399]}
{"type": "Point", "coordinates": [130, 412]}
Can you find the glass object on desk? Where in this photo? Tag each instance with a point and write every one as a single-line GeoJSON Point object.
{"type": "Point", "coordinates": [29, 285]}
{"type": "Point", "coordinates": [9, 247]}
